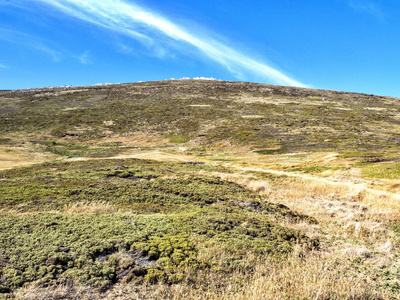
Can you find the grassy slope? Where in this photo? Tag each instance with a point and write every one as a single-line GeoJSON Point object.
{"type": "Point", "coordinates": [261, 116]}
{"type": "Point", "coordinates": [73, 227]}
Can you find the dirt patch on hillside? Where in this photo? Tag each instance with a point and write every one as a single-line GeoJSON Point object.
{"type": "Point", "coordinates": [14, 157]}
{"type": "Point", "coordinates": [59, 93]}
{"type": "Point", "coordinates": [136, 139]}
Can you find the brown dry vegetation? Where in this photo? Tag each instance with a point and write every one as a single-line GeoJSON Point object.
{"type": "Point", "coordinates": [14, 157]}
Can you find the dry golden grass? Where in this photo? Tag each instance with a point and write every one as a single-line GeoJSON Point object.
{"type": "Point", "coordinates": [298, 186]}
{"type": "Point", "coordinates": [354, 225]}
{"type": "Point", "coordinates": [358, 209]}
{"type": "Point", "coordinates": [61, 292]}
{"type": "Point", "coordinates": [15, 157]}
{"type": "Point", "coordinates": [252, 116]}
{"type": "Point", "coordinates": [136, 139]}
{"type": "Point", "coordinates": [317, 277]}
{"type": "Point", "coordinates": [89, 207]}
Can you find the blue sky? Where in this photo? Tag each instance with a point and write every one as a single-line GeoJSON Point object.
{"type": "Point", "coordinates": [346, 45]}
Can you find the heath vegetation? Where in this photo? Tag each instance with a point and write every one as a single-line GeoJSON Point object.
{"type": "Point", "coordinates": [198, 190]}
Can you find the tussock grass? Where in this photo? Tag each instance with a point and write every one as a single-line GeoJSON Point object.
{"type": "Point", "coordinates": [89, 207]}
{"type": "Point", "coordinates": [295, 187]}
{"type": "Point", "coordinates": [296, 278]}
{"type": "Point", "coordinates": [357, 228]}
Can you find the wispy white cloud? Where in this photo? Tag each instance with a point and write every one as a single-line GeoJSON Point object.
{"type": "Point", "coordinates": [158, 34]}
{"type": "Point", "coordinates": [122, 48]}
{"type": "Point", "coordinates": [368, 7]}
{"type": "Point", "coordinates": [9, 3]}
{"type": "Point", "coordinates": [55, 55]}
{"type": "Point", "coordinates": [84, 58]}
{"type": "Point", "coordinates": [29, 41]}
{"type": "Point", "coordinates": [4, 67]}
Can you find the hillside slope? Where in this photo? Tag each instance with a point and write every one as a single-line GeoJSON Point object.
{"type": "Point", "coordinates": [189, 189]}
{"type": "Point", "coordinates": [262, 117]}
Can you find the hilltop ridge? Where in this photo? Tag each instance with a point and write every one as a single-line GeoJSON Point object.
{"type": "Point", "coordinates": [311, 91]}
{"type": "Point", "coordinates": [260, 116]}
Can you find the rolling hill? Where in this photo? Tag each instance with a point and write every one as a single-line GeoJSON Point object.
{"type": "Point", "coordinates": [198, 189]}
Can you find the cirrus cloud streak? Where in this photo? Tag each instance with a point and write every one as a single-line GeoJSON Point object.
{"type": "Point", "coordinates": [152, 29]}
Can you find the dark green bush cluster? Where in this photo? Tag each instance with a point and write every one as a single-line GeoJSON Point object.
{"type": "Point", "coordinates": [245, 230]}
{"type": "Point", "coordinates": [174, 254]}
{"type": "Point", "coordinates": [53, 249]}
{"type": "Point", "coordinates": [101, 249]}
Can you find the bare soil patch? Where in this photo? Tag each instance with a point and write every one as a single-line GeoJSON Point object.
{"type": "Point", "coordinates": [14, 157]}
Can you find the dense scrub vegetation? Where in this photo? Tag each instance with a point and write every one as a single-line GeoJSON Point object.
{"type": "Point", "coordinates": [152, 218]}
